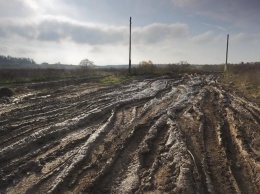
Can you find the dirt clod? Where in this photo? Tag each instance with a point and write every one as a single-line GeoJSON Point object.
{"type": "Point", "coordinates": [6, 92]}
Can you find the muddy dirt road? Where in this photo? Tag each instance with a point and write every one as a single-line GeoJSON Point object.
{"type": "Point", "coordinates": [161, 135]}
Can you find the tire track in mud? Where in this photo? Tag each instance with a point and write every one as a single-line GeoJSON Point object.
{"type": "Point", "coordinates": [215, 162]}
{"type": "Point", "coordinates": [162, 135]}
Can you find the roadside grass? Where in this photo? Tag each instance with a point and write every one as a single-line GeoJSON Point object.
{"type": "Point", "coordinates": [245, 78]}
{"type": "Point", "coordinates": [114, 79]}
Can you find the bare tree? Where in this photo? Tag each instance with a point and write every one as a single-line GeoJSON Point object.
{"type": "Point", "coordinates": [87, 63]}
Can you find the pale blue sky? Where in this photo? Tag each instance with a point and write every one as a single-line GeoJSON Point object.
{"type": "Point", "coordinates": [164, 31]}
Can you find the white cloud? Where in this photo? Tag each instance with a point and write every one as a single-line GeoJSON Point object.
{"type": "Point", "coordinates": [237, 13]}
{"type": "Point", "coordinates": [42, 6]}
{"type": "Point", "coordinates": [204, 37]}
{"type": "Point", "coordinates": [159, 32]}
{"type": "Point", "coordinates": [55, 29]}
{"type": "Point", "coordinates": [68, 31]}
{"type": "Point", "coordinates": [245, 38]}
{"type": "Point", "coordinates": [237, 38]}
{"type": "Point", "coordinates": [184, 2]}
{"type": "Point", "coordinates": [32, 4]}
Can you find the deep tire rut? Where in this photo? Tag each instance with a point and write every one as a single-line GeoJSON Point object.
{"type": "Point", "coordinates": [158, 135]}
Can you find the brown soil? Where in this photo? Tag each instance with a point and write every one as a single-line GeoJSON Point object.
{"type": "Point", "coordinates": [158, 135]}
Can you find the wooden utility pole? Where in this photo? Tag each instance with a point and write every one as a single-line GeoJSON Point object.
{"type": "Point", "coordinates": [130, 47]}
{"type": "Point", "coordinates": [227, 53]}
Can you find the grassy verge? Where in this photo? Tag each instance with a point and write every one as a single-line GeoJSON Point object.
{"type": "Point", "coordinates": [114, 79]}
{"type": "Point", "coordinates": [244, 78]}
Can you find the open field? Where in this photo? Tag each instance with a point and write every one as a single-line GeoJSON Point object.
{"type": "Point", "coordinates": [244, 79]}
{"type": "Point", "coordinates": [182, 134]}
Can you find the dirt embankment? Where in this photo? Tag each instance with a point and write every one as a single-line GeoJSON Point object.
{"type": "Point", "coordinates": [163, 135]}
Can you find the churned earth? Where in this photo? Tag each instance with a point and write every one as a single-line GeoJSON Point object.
{"type": "Point", "coordinates": [160, 135]}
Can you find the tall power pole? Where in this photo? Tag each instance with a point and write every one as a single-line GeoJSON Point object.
{"type": "Point", "coordinates": [227, 53]}
{"type": "Point", "coordinates": [130, 47]}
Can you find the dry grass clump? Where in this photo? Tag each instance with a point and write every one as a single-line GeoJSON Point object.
{"type": "Point", "coordinates": [245, 78]}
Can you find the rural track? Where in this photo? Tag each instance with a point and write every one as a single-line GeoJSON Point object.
{"type": "Point", "coordinates": [160, 135]}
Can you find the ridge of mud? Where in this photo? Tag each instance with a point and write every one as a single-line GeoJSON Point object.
{"type": "Point", "coordinates": [163, 135]}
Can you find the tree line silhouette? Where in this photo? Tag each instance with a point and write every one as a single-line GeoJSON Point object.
{"type": "Point", "coordinates": [8, 60]}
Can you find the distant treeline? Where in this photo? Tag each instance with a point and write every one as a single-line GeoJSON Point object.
{"type": "Point", "coordinates": [28, 75]}
{"type": "Point", "coordinates": [8, 60]}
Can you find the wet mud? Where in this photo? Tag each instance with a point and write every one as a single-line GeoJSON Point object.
{"type": "Point", "coordinates": [158, 135]}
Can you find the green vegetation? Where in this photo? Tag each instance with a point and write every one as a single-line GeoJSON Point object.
{"type": "Point", "coordinates": [114, 79]}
